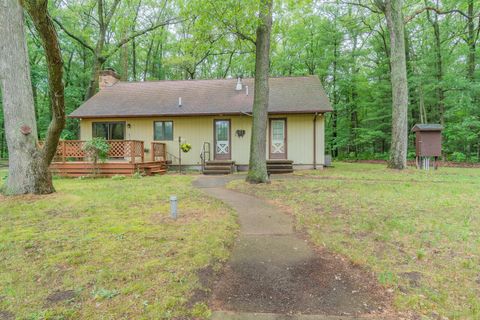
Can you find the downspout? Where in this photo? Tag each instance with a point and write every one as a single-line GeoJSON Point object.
{"type": "Point", "coordinates": [315, 141]}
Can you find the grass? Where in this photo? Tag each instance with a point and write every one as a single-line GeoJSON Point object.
{"type": "Point", "coordinates": [418, 231]}
{"type": "Point", "coordinates": [107, 249]}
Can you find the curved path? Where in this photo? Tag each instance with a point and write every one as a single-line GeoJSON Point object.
{"type": "Point", "coordinates": [274, 273]}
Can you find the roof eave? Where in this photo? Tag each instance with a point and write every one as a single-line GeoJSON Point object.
{"type": "Point", "coordinates": [191, 114]}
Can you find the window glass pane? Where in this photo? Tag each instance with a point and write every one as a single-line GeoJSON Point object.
{"type": "Point", "coordinates": [168, 130]}
{"type": "Point", "coordinates": [100, 130]}
{"type": "Point", "coordinates": [277, 130]}
{"type": "Point", "coordinates": [158, 131]}
{"type": "Point", "coordinates": [222, 130]}
{"type": "Point", "coordinates": [117, 131]}
{"type": "Point", "coordinates": [163, 130]}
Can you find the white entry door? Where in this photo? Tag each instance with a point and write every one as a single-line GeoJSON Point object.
{"type": "Point", "coordinates": [222, 140]}
{"type": "Point", "coordinates": [278, 139]}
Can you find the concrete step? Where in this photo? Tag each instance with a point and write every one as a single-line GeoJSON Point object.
{"type": "Point", "coordinates": [218, 167]}
{"type": "Point", "coordinates": [280, 166]}
{"type": "Point", "coordinates": [275, 161]}
{"type": "Point", "coordinates": [210, 171]}
{"type": "Point", "coordinates": [220, 162]}
{"type": "Point", "coordinates": [275, 171]}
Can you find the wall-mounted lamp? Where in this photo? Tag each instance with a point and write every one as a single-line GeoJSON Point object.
{"type": "Point", "coordinates": [240, 133]}
{"type": "Point", "coordinates": [129, 125]}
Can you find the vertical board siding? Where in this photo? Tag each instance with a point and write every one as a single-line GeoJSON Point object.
{"type": "Point", "coordinates": [197, 130]}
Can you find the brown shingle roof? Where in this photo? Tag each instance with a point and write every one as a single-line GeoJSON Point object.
{"type": "Point", "coordinates": [203, 97]}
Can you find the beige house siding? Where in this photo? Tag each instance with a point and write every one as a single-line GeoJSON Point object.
{"type": "Point", "coordinates": [199, 129]}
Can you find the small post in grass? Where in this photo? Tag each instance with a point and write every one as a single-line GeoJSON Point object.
{"type": "Point", "coordinates": [173, 207]}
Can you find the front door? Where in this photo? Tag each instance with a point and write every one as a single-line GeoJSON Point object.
{"type": "Point", "coordinates": [278, 139]}
{"type": "Point", "coordinates": [222, 139]}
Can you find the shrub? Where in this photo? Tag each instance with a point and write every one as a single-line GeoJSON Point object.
{"type": "Point", "coordinates": [137, 175]}
{"type": "Point", "coordinates": [458, 157]}
{"type": "Point", "coordinates": [97, 149]}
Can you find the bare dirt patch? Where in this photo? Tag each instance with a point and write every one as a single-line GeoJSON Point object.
{"type": "Point", "coordinates": [5, 315]}
{"type": "Point", "coordinates": [61, 296]}
{"type": "Point", "coordinates": [323, 284]}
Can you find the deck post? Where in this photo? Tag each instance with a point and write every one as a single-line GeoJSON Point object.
{"type": "Point", "coordinates": [64, 150]}
{"type": "Point", "coordinates": [132, 151]}
{"type": "Point", "coordinates": [152, 151]}
{"type": "Point", "coordinates": [164, 152]}
{"type": "Point", "coordinates": [143, 152]}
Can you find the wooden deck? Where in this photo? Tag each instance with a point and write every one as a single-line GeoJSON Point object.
{"type": "Point", "coordinates": [126, 157]}
{"type": "Point", "coordinates": [82, 168]}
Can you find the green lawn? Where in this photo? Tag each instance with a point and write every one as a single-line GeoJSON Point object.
{"type": "Point", "coordinates": [107, 249]}
{"type": "Point", "coordinates": [418, 231]}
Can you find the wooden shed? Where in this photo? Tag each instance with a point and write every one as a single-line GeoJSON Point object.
{"type": "Point", "coordinates": [428, 142]}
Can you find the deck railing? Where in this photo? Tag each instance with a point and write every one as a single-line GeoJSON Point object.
{"type": "Point", "coordinates": [158, 151]}
{"type": "Point", "coordinates": [131, 150]}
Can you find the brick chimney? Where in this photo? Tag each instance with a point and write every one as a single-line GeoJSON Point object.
{"type": "Point", "coordinates": [107, 78]}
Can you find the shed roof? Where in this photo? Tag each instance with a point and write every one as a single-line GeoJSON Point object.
{"type": "Point", "coordinates": [203, 97]}
{"type": "Point", "coordinates": [427, 127]}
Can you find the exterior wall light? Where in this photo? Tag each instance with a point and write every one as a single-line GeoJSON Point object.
{"type": "Point", "coordinates": [240, 133]}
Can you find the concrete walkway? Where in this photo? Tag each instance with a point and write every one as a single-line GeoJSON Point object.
{"type": "Point", "coordinates": [275, 274]}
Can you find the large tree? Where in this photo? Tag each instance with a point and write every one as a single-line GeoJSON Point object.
{"type": "Point", "coordinates": [28, 161]}
{"type": "Point", "coordinates": [257, 170]}
{"type": "Point", "coordinates": [393, 10]}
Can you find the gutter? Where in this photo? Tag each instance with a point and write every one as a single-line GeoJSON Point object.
{"type": "Point", "coordinates": [190, 114]}
{"type": "Point", "coordinates": [315, 141]}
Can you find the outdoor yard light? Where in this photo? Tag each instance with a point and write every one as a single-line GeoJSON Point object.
{"type": "Point", "coordinates": [173, 207]}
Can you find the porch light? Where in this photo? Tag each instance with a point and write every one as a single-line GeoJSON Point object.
{"type": "Point", "coordinates": [240, 133]}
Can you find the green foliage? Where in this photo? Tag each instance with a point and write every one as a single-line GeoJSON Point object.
{"type": "Point", "coordinates": [137, 175]}
{"type": "Point", "coordinates": [97, 148]}
{"type": "Point", "coordinates": [458, 157]}
{"type": "Point", "coordinates": [185, 147]}
{"type": "Point", "coordinates": [102, 294]}
{"type": "Point", "coordinates": [345, 45]}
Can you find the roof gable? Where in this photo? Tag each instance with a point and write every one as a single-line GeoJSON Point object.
{"type": "Point", "coordinates": [203, 97]}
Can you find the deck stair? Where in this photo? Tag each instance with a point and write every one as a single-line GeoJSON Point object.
{"type": "Point", "coordinates": [151, 168]}
{"type": "Point", "coordinates": [219, 167]}
{"type": "Point", "coordinates": [279, 166]}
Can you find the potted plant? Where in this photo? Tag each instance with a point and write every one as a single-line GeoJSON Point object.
{"type": "Point", "coordinates": [185, 147]}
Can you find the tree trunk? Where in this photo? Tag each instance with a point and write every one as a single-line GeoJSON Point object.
{"type": "Point", "coordinates": [28, 164]}
{"type": "Point", "coordinates": [440, 91]}
{"type": "Point", "coordinates": [472, 41]}
{"type": "Point", "coordinates": [399, 143]}
{"type": "Point", "coordinates": [18, 106]}
{"type": "Point", "coordinates": [335, 101]}
{"type": "Point", "coordinates": [257, 171]}
{"type": "Point", "coordinates": [147, 60]}
{"type": "Point", "coordinates": [134, 60]}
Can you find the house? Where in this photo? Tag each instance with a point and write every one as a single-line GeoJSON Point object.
{"type": "Point", "coordinates": [213, 116]}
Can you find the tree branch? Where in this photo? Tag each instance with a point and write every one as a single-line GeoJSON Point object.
{"type": "Point", "coordinates": [140, 33]}
{"type": "Point", "coordinates": [71, 35]}
{"type": "Point", "coordinates": [439, 12]}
